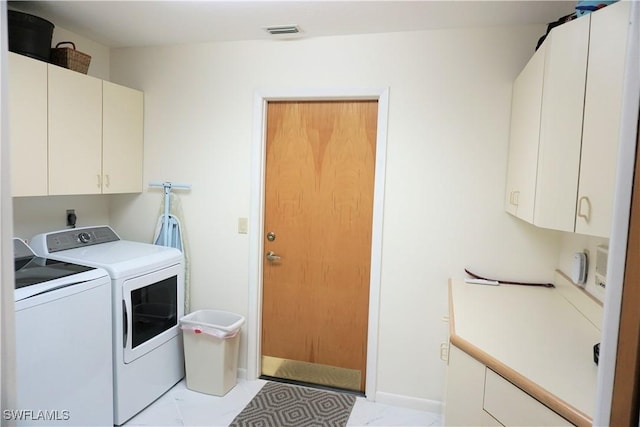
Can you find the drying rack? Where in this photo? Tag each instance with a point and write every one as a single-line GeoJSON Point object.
{"type": "Point", "coordinates": [167, 186]}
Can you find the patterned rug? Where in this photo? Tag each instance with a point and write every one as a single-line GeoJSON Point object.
{"type": "Point", "coordinates": [285, 405]}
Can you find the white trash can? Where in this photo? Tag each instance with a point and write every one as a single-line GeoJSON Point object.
{"type": "Point", "coordinates": [211, 340]}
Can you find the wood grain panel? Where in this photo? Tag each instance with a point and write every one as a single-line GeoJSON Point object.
{"type": "Point", "coordinates": [318, 201]}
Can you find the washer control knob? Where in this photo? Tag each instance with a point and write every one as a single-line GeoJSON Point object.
{"type": "Point", "coordinates": [84, 237]}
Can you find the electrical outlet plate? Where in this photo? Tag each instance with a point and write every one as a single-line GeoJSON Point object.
{"type": "Point", "coordinates": [602, 254]}
{"type": "Point", "coordinates": [243, 225]}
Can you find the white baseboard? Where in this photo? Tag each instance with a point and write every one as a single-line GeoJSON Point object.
{"type": "Point", "coordinates": [434, 406]}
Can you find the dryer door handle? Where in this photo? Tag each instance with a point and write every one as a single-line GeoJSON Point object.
{"type": "Point", "coordinates": [125, 324]}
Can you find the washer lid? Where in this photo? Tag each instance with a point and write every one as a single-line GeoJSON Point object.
{"type": "Point", "coordinates": [36, 275]}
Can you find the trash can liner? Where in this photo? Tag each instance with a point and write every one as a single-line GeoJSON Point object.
{"type": "Point", "coordinates": [210, 331]}
{"type": "Point", "coordinates": [224, 321]}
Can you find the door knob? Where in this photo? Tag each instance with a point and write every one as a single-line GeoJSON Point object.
{"type": "Point", "coordinates": [271, 256]}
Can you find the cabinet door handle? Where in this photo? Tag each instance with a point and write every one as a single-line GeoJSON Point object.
{"type": "Point", "coordinates": [108, 181]}
{"type": "Point", "coordinates": [587, 202]}
{"type": "Point", "coordinates": [516, 198]}
{"type": "Point", "coordinates": [99, 180]}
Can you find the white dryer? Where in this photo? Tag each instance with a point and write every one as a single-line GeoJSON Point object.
{"type": "Point", "coordinates": [63, 343]}
{"type": "Point", "coordinates": [148, 302]}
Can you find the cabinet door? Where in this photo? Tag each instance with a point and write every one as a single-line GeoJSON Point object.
{"type": "Point", "coordinates": [122, 139]}
{"type": "Point", "coordinates": [565, 73]}
{"type": "Point", "coordinates": [523, 139]}
{"type": "Point", "coordinates": [28, 125]}
{"type": "Point", "coordinates": [75, 132]}
{"type": "Point", "coordinates": [465, 391]}
{"type": "Point", "coordinates": [513, 407]}
{"type": "Point", "coordinates": [602, 110]}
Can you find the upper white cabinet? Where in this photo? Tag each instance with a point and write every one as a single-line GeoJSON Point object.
{"type": "Point", "coordinates": [524, 135]}
{"type": "Point", "coordinates": [561, 125]}
{"type": "Point", "coordinates": [122, 139]}
{"type": "Point", "coordinates": [28, 125]}
{"type": "Point", "coordinates": [602, 112]}
{"type": "Point", "coordinates": [546, 129]}
{"type": "Point", "coordinates": [75, 132]}
{"type": "Point", "coordinates": [72, 133]}
{"type": "Point", "coordinates": [576, 141]}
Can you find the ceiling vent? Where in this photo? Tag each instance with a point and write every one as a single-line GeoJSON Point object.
{"type": "Point", "coordinates": [282, 30]}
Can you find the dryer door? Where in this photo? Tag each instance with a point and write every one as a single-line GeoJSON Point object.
{"type": "Point", "coordinates": [152, 307]}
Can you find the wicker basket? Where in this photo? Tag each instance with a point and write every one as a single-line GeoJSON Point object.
{"type": "Point", "coordinates": [69, 57]}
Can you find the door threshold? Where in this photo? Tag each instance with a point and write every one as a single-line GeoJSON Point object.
{"type": "Point", "coordinates": [312, 373]}
{"type": "Point", "coordinates": [311, 385]}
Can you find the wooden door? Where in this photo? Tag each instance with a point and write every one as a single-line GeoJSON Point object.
{"type": "Point", "coordinates": [319, 183]}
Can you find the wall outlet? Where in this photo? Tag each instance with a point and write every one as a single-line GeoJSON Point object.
{"type": "Point", "coordinates": [444, 351]}
{"type": "Point", "coordinates": [602, 254]}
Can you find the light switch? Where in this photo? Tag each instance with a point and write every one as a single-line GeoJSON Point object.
{"type": "Point", "coordinates": [243, 225]}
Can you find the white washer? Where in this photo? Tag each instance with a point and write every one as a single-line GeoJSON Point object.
{"type": "Point", "coordinates": [63, 343]}
{"type": "Point", "coordinates": [148, 302]}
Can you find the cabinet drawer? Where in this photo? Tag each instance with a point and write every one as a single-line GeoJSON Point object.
{"type": "Point", "coordinates": [513, 407]}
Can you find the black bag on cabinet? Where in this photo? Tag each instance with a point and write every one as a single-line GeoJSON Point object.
{"type": "Point", "coordinates": [552, 25]}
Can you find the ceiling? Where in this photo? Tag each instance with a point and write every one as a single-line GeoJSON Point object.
{"type": "Point", "coordinates": [163, 22]}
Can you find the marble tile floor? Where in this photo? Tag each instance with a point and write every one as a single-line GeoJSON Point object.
{"type": "Point", "coordinates": [183, 407]}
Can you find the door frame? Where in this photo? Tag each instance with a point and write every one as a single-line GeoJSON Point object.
{"type": "Point", "coordinates": [256, 220]}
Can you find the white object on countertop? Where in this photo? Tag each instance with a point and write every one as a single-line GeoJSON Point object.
{"type": "Point", "coordinates": [482, 282]}
{"type": "Point", "coordinates": [579, 268]}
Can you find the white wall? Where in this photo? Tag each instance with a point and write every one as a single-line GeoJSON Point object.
{"type": "Point", "coordinates": [33, 215]}
{"type": "Point", "coordinates": [449, 113]}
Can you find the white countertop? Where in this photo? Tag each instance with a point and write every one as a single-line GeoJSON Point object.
{"type": "Point", "coordinates": [533, 334]}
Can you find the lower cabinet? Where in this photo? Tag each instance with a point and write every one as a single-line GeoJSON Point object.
{"type": "Point", "coordinates": [478, 396]}
{"type": "Point", "coordinates": [465, 391]}
{"type": "Point", "coordinates": [512, 406]}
